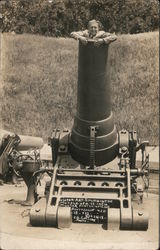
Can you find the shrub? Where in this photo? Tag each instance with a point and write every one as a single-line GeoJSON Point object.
{"type": "Point", "coordinates": [60, 17]}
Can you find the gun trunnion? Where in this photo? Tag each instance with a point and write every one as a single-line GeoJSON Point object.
{"type": "Point", "coordinates": [94, 166]}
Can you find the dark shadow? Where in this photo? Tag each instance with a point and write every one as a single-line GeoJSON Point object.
{"type": "Point", "coordinates": [104, 226]}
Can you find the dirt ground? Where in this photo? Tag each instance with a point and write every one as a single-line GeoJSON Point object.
{"type": "Point", "coordinates": [17, 233]}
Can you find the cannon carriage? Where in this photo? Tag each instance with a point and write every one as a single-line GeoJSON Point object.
{"type": "Point", "coordinates": [94, 176]}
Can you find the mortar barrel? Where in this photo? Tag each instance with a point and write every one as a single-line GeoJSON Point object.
{"type": "Point", "coordinates": [93, 108]}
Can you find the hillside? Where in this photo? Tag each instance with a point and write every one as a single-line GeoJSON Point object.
{"type": "Point", "coordinates": [39, 81]}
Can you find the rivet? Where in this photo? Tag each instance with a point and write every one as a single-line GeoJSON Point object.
{"type": "Point", "coordinates": [37, 210]}
{"type": "Point", "coordinates": [140, 213]}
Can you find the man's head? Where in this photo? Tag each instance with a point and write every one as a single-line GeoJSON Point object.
{"type": "Point", "coordinates": [93, 27]}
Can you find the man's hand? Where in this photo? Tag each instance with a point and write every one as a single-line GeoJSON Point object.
{"type": "Point", "coordinates": [98, 42]}
{"type": "Point", "coordinates": [83, 40]}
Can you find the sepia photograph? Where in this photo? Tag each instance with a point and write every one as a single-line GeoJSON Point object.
{"type": "Point", "coordinates": [79, 125]}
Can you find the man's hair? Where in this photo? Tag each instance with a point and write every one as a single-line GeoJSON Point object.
{"type": "Point", "coordinates": [95, 21]}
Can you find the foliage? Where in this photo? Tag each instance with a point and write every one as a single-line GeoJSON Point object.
{"type": "Point", "coordinates": [40, 82]}
{"type": "Point", "coordinates": [60, 17]}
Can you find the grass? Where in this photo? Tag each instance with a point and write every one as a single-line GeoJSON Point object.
{"type": "Point", "coordinates": [39, 82]}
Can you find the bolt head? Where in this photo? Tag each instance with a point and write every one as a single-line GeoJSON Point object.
{"type": "Point", "coordinates": [124, 149]}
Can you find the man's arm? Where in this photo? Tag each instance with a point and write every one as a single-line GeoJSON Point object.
{"type": "Point", "coordinates": [104, 37]}
{"type": "Point", "coordinates": [79, 34]}
{"type": "Point", "coordinates": [108, 37]}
